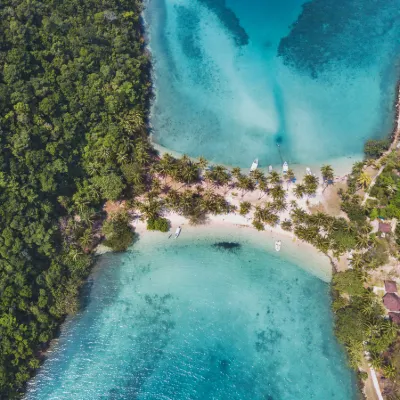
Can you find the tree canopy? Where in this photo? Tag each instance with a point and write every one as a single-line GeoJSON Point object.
{"type": "Point", "coordinates": [74, 89]}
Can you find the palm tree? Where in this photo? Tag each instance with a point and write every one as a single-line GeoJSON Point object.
{"type": "Point", "coordinates": [357, 260]}
{"type": "Point", "coordinates": [389, 371]}
{"type": "Point", "coordinates": [257, 175]}
{"type": "Point", "coordinates": [327, 173]}
{"type": "Point", "coordinates": [357, 167]}
{"type": "Point", "coordinates": [156, 186]}
{"type": "Point", "coordinates": [86, 238]}
{"type": "Point", "coordinates": [172, 198]}
{"type": "Point", "coordinates": [311, 184]}
{"type": "Point", "coordinates": [318, 219]}
{"type": "Point", "coordinates": [362, 241]}
{"type": "Point", "coordinates": [274, 178]}
{"type": "Point", "coordinates": [150, 209]}
{"type": "Point", "coordinates": [299, 190]}
{"type": "Point", "coordinates": [271, 219]}
{"type": "Point", "coordinates": [298, 215]}
{"type": "Point", "coordinates": [322, 243]}
{"type": "Point", "coordinates": [122, 157]}
{"type": "Point", "coordinates": [365, 229]}
{"type": "Point", "coordinates": [236, 172]}
{"type": "Point", "coordinates": [202, 163]}
{"type": "Point", "coordinates": [263, 187]}
{"type": "Point", "coordinates": [220, 175]}
{"type": "Point", "coordinates": [289, 176]}
{"type": "Point", "coordinates": [364, 180]}
{"type": "Point", "coordinates": [142, 152]}
{"type": "Point", "coordinates": [279, 205]}
{"type": "Point", "coordinates": [246, 184]}
{"type": "Point", "coordinates": [74, 253]}
{"type": "Point", "coordinates": [286, 225]}
{"type": "Point", "coordinates": [391, 189]}
{"type": "Point", "coordinates": [245, 207]}
{"type": "Point", "coordinates": [133, 121]}
{"type": "Point", "coordinates": [277, 193]}
{"type": "Point", "coordinates": [390, 328]}
{"type": "Point", "coordinates": [190, 173]}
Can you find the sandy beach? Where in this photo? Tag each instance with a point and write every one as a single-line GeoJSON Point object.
{"type": "Point", "coordinates": [234, 227]}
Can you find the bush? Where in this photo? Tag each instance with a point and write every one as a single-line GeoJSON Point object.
{"type": "Point", "coordinates": [119, 234]}
{"type": "Point", "coordinates": [354, 211]}
{"type": "Point", "coordinates": [375, 148]}
{"type": "Point", "coordinates": [158, 224]}
{"type": "Point", "coordinates": [363, 375]}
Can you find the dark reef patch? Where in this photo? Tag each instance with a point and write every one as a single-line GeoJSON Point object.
{"type": "Point", "coordinates": [332, 34]}
{"type": "Point", "coordinates": [188, 29]}
{"type": "Point", "coordinates": [230, 246]}
{"type": "Point", "coordinates": [229, 19]}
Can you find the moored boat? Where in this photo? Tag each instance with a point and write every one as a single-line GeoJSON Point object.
{"type": "Point", "coordinates": [254, 165]}
{"type": "Point", "coordinates": [270, 169]}
{"type": "Point", "coordinates": [285, 167]}
{"type": "Point", "coordinates": [178, 232]}
{"type": "Point", "coordinates": [278, 245]}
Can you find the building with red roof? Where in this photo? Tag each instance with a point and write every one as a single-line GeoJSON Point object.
{"type": "Point", "coordinates": [390, 287]}
{"type": "Point", "coordinates": [391, 302]}
{"type": "Point", "coordinates": [395, 317]}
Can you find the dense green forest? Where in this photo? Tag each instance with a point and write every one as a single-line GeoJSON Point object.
{"type": "Point", "coordinates": [74, 90]}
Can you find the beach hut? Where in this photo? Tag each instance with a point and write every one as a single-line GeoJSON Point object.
{"type": "Point", "coordinates": [390, 287]}
{"type": "Point", "coordinates": [391, 302]}
{"type": "Point", "coordinates": [395, 317]}
{"type": "Point", "coordinates": [384, 227]}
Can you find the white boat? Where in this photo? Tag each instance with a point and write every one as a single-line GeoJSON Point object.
{"type": "Point", "coordinates": [270, 169]}
{"type": "Point", "coordinates": [178, 231]}
{"type": "Point", "coordinates": [308, 171]}
{"type": "Point", "coordinates": [285, 167]}
{"type": "Point", "coordinates": [254, 165]}
{"type": "Point", "coordinates": [278, 245]}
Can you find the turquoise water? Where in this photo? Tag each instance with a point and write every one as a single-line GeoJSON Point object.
{"type": "Point", "coordinates": [193, 319]}
{"type": "Point", "coordinates": [235, 77]}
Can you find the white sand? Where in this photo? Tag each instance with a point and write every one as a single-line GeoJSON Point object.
{"type": "Point", "coordinates": [235, 227]}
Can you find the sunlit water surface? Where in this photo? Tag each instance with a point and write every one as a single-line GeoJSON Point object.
{"type": "Point", "coordinates": [198, 319]}
{"type": "Point", "coordinates": [234, 78]}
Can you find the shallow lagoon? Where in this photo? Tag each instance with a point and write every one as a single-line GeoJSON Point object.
{"type": "Point", "coordinates": [210, 318]}
{"type": "Point", "coordinates": [236, 77]}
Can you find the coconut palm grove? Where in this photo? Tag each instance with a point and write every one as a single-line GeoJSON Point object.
{"type": "Point", "coordinates": [75, 93]}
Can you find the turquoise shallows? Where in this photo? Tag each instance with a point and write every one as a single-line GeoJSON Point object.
{"type": "Point", "coordinates": [197, 319]}
{"type": "Point", "coordinates": [234, 78]}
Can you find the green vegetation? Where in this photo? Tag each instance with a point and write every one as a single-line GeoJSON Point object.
{"type": "Point", "coordinates": [74, 88]}
{"type": "Point", "coordinates": [375, 148]}
{"type": "Point", "coordinates": [158, 224]}
{"type": "Point", "coordinates": [360, 323]}
{"type": "Point", "coordinates": [245, 207]}
{"type": "Point", "coordinates": [118, 233]}
{"type": "Point", "coordinates": [74, 94]}
{"type": "Point", "coordinates": [385, 194]}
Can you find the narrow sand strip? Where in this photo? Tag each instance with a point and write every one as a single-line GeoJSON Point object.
{"type": "Point", "coordinates": [233, 227]}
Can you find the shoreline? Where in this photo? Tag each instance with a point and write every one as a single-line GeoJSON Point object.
{"type": "Point", "coordinates": [236, 227]}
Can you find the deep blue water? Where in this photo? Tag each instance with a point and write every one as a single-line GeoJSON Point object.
{"type": "Point", "coordinates": [235, 77]}
{"type": "Point", "coordinates": [189, 319]}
